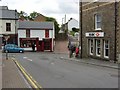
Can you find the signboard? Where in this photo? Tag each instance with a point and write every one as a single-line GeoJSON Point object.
{"type": "Point", "coordinates": [94, 34]}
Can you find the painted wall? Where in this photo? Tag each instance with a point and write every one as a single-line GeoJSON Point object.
{"type": "Point", "coordinates": [73, 23]}
{"type": "Point", "coordinates": [37, 33]}
{"type": "Point", "coordinates": [34, 34]}
{"type": "Point", "coordinates": [3, 26]}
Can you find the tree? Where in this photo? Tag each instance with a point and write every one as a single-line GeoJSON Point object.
{"type": "Point", "coordinates": [22, 15]}
{"type": "Point", "coordinates": [33, 15]}
{"type": "Point", "coordinates": [55, 23]}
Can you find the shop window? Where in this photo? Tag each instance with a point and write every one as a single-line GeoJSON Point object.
{"type": "Point", "coordinates": [106, 49]}
{"type": "Point", "coordinates": [26, 43]}
{"type": "Point", "coordinates": [46, 33]}
{"type": "Point", "coordinates": [8, 26]}
{"type": "Point", "coordinates": [98, 49]}
{"type": "Point", "coordinates": [97, 22]}
{"type": "Point", "coordinates": [91, 46]}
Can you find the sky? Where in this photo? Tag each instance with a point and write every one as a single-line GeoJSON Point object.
{"type": "Point", "coordinates": [51, 8]}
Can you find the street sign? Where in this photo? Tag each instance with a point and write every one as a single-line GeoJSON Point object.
{"type": "Point", "coordinates": [6, 37]}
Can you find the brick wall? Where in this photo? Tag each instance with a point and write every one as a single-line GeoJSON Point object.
{"type": "Point", "coordinates": [40, 18]}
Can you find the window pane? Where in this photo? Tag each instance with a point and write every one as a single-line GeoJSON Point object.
{"type": "Point", "coordinates": [106, 52]}
{"type": "Point", "coordinates": [98, 49]}
{"type": "Point", "coordinates": [97, 21]}
{"type": "Point", "coordinates": [91, 49]}
{"type": "Point", "coordinates": [8, 26]}
{"type": "Point", "coordinates": [98, 18]}
{"type": "Point", "coordinates": [98, 24]}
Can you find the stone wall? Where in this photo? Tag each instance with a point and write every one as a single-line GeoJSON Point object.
{"type": "Point", "coordinates": [107, 11]}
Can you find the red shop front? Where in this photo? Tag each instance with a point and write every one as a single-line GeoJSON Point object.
{"type": "Point", "coordinates": [27, 42]}
{"type": "Point", "coordinates": [43, 45]}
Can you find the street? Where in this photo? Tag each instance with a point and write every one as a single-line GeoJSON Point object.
{"type": "Point", "coordinates": [50, 71]}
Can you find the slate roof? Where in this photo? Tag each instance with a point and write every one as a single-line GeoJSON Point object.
{"type": "Point", "coordinates": [35, 25]}
{"type": "Point", "coordinates": [5, 13]}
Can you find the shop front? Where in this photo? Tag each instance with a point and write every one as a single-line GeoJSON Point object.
{"type": "Point", "coordinates": [26, 43]}
{"type": "Point", "coordinates": [98, 45]}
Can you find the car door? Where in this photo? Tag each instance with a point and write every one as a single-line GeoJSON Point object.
{"type": "Point", "coordinates": [16, 48]}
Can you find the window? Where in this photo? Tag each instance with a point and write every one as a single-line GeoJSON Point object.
{"type": "Point", "coordinates": [97, 22]}
{"type": "Point", "coordinates": [8, 26]}
{"type": "Point", "coordinates": [91, 46]}
{"type": "Point", "coordinates": [46, 33]}
{"type": "Point", "coordinates": [106, 49]}
{"type": "Point", "coordinates": [27, 33]}
{"type": "Point", "coordinates": [98, 49]}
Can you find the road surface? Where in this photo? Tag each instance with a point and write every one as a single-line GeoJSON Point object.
{"type": "Point", "coordinates": [52, 72]}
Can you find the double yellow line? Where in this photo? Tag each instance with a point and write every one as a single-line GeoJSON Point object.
{"type": "Point", "coordinates": [29, 78]}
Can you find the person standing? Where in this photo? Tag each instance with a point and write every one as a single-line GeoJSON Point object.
{"type": "Point", "coordinates": [33, 47]}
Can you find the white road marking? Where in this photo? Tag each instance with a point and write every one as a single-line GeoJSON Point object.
{"type": "Point", "coordinates": [52, 63]}
{"type": "Point", "coordinates": [29, 59]}
{"type": "Point", "coordinates": [24, 57]}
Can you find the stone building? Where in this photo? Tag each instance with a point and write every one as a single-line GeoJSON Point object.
{"type": "Point", "coordinates": [118, 33]}
{"type": "Point", "coordinates": [100, 30]}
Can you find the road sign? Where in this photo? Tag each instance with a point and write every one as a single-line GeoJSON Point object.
{"type": "Point", "coordinates": [6, 37]}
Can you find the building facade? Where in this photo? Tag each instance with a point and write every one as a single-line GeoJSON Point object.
{"type": "Point", "coordinates": [39, 33]}
{"type": "Point", "coordinates": [8, 24]}
{"type": "Point", "coordinates": [99, 30]}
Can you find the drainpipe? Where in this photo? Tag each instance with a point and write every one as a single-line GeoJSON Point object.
{"type": "Point", "coordinates": [115, 47]}
{"type": "Point", "coordinates": [15, 27]}
{"type": "Point", "coordinates": [80, 28]}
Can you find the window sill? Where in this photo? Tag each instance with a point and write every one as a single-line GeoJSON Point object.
{"type": "Point", "coordinates": [106, 57]}
{"type": "Point", "coordinates": [98, 29]}
{"type": "Point", "coordinates": [98, 55]}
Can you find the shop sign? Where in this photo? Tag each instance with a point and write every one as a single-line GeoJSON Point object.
{"type": "Point", "coordinates": [95, 34]}
{"type": "Point", "coordinates": [28, 38]}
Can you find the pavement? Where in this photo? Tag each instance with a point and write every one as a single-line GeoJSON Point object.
{"type": "Point", "coordinates": [10, 76]}
{"type": "Point", "coordinates": [91, 61]}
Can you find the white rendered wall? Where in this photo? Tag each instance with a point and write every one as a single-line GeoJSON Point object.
{"type": "Point", "coordinates": [3, 26]}
{"type": "Point", "coordinates": [37, 33]}
{"type": "Point", "coordinates": [21, 34]}
{"type": "Point", "coordinates": [73, 23]}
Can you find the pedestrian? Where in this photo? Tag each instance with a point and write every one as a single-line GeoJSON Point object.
{"type": "Point", "coordinates": [33, 47]}
{"type": "Point", "coordinates": [71, 50]}
{"type": "Point", "coordinates": [77, 52]}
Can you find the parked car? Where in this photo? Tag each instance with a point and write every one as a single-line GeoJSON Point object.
{"type": "Point", "coordinates": [12, 48]}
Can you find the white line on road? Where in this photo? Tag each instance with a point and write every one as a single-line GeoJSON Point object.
{"type": "Point", "coordinates": [24, 57]}
{"type": "Point", "coordinates": [29, 59]}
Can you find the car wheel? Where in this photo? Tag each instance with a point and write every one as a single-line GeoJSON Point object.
{"type": "Point", "coordinates": [21, 51]}
{"type": "Point", "coordinates": [6, 51]}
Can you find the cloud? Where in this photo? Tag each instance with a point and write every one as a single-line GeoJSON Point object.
{"type": "Point", "coordinates": [52, 8]}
